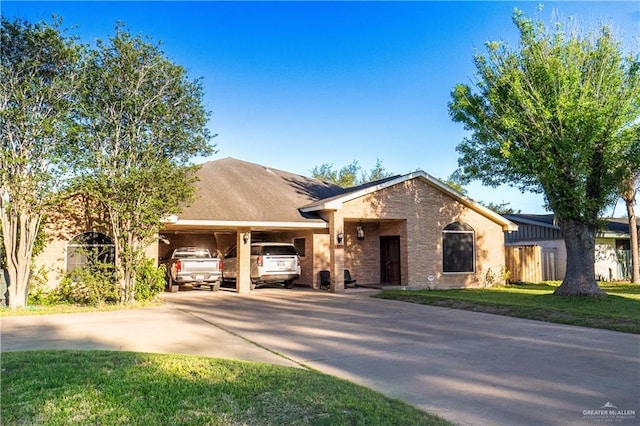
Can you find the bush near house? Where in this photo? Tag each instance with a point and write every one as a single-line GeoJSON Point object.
{"type": "Point", "coordinates": [97, 286]}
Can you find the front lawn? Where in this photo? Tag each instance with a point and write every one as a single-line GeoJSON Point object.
{"type": "Point", "coordinates": [126, 388]}
{"type": "Point", "coordinates": [619, 311]}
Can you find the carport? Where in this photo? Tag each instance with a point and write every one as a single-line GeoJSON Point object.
{"type": "Point", "coordinates": [239, 202]}
{"type": "Point", "coordinates": [220, 236]}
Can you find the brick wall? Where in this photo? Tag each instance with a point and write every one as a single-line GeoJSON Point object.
{"type": "Point", "coordinates": [417, 212]}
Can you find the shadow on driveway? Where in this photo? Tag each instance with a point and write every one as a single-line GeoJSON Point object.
{"type": "Point", "coordinates": [470, 368]}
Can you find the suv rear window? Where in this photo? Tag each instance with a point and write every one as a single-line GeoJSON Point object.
{"type": "Point", "coordinates": [273, 250]}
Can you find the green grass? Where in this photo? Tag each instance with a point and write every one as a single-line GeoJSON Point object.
{"type": "Point", "coordinates": [64, 308]}
{"type": "Point", "coordinates": [619, 311]}
{"type": "Point", "coordinates": [125, 388]}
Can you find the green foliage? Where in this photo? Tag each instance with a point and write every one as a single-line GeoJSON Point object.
{"type": "Point", "coordinates": [557, 116]}
{"type": "Point", "coordinates": [455, 182]}
{"type": "Point", "coordinates": [3, 253]}
{"type": "Point", "coordinates": [150, 280]}
{"type": "Point", "coordinates": [552, 117]}
{"type": "Point", "coordinates": [502, 208]}
{"type": "Point", "coordinates": [349, 175]}
{"type": "Point", "coordinates": [93, 286]}
{"type": "Point", "coordinates": [39, 70]}
{"type": "Point", "coordinates": [494, 278]}
{"type": "Point", "coordinates": [38, 291]}
{"type": "Point", "coordinates": [143, 122]}
{"type": "Point", "coordinates": [121, 118]}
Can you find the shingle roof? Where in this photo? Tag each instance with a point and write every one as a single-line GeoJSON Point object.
{"type": "Point", "coordinates": [236, 190]}
{"type": "Point", "coordinates": [615, 225]}
{"type": "Point", "coordinates": [231, 190]}
{"type": "Point", "coordinates": [544, 220]}
{"type": "Point", "coordinates": [618, 225]}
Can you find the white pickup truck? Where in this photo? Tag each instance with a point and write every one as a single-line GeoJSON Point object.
{"type": "Point", "coordinates": [192, 265]}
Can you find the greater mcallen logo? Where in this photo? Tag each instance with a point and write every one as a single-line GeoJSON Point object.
{"type": "Point", "coordinates": [609, 413]}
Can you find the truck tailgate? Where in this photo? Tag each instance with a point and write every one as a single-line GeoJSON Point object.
{"type": "Point", "coordinates": [195, 266]}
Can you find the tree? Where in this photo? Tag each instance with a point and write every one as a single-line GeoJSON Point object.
{"type": "Point", "coordinates": [456, 182]}
{"type": "Point", "coordinates": [376, 173]}
{"type": "Point", "coordinates": [628, 193]}
{"type": "Point", "coordinates": [143, 121]}
{"type": "Point", "coordinates": [500, 208]}
{"type": "Point", "coordinates": [553, 117]}
{"type": "Point", "coordinates": [38, 77]}
{"type": "Point", "coordinates": [347, 176]}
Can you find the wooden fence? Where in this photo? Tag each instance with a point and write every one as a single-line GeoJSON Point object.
{"type": "Point", "coordinates": [524, 263]}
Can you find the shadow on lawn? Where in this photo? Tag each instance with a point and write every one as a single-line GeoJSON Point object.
{"type": "Point", "coordinates": [105, 387]}
{"type": "Point", "coordinates": [619, 311]}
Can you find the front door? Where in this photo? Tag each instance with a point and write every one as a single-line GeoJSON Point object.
{"type": "Point", "coordinates": [390, 260]}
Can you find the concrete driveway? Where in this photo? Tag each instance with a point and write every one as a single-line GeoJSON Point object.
{"type": "Point", "coordinates": [470, 368]}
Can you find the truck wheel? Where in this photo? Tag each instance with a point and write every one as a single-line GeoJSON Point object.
{"type": "Point", "coordinates": [215, 286]}
{"type": "Point", "coordinates": [288, 284]}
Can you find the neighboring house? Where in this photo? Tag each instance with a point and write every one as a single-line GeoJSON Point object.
{"type": "Point", "coordinates": [613, 255]}
{"type": "Point", "coordinates": [542, 231]}
{"type": "Point", "coordinates": [407, 230]}
{"type": "Point", "coordinates": [613, 251]}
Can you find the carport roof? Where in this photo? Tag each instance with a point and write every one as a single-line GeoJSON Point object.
{"type": "Point", "coordinates": [238, 192]}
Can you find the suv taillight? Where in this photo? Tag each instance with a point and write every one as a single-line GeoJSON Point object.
{"type": "Point", "coordinates": [259, 260]}
{"type": "Point", "coordinates": [178, 266]}
{"type": "Point", "coordinates": [220, 265]}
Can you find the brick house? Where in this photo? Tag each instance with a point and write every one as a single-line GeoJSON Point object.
{"type": "Point", "coordinates": [405, 230]}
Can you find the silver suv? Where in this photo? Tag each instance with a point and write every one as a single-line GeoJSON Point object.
{"type": "Point", "coordinates": [270, 263]}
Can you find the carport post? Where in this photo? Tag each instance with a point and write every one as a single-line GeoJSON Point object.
{"type": "Point", "coordinates": [336, 250]}
{"type": "Point", "coordinates": [243, 282]}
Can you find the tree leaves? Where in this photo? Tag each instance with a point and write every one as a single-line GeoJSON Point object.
{"type": "Point", "coordinates": [143, 121]}
{"type": "Point", "coordinates": [550, 116]}
{"type": "Point", "coordinates": [121, 120]}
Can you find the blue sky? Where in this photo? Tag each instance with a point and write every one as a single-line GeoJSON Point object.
{"type": "Point", "coordinates": [294, 85]}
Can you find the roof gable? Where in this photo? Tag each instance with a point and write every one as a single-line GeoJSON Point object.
{"type": "Point", "coordinates": [336, 202]}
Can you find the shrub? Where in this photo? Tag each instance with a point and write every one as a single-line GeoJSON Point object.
{"type": "Point", "coordinates": [150, 280]}
{"type": "Point", "coordinates": [92, 286]}
{"type": "Point", "coordinates": [39, 293]}
{"type": "Point", "coordinates": [493, 278]}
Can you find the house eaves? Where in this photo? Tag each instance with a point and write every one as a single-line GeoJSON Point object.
{"type": "Point", "coordinates": [336, 203]}
{"type": "Point", "coordinates": [528, 220]}
{"type": "Point", "coordinates": [226, 225]}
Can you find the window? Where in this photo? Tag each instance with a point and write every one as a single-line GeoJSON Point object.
{"type": "Point", "coordinates": [458, 248]}
{"type": "Point", "coordinates": [299, 244]}
{"type": "Point", "coordinates": [89, 248]}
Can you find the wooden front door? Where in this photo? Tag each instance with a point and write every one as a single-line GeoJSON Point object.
{"type": "Point", "coordinates": [390, 260]}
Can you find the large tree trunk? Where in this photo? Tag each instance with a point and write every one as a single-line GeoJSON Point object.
{"type": "Point", "coordinates": [19, 234]}
{"type": "Point", "coordinates": [580, 279]}
{"type": "Point", "coordinates": [635, 247]}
